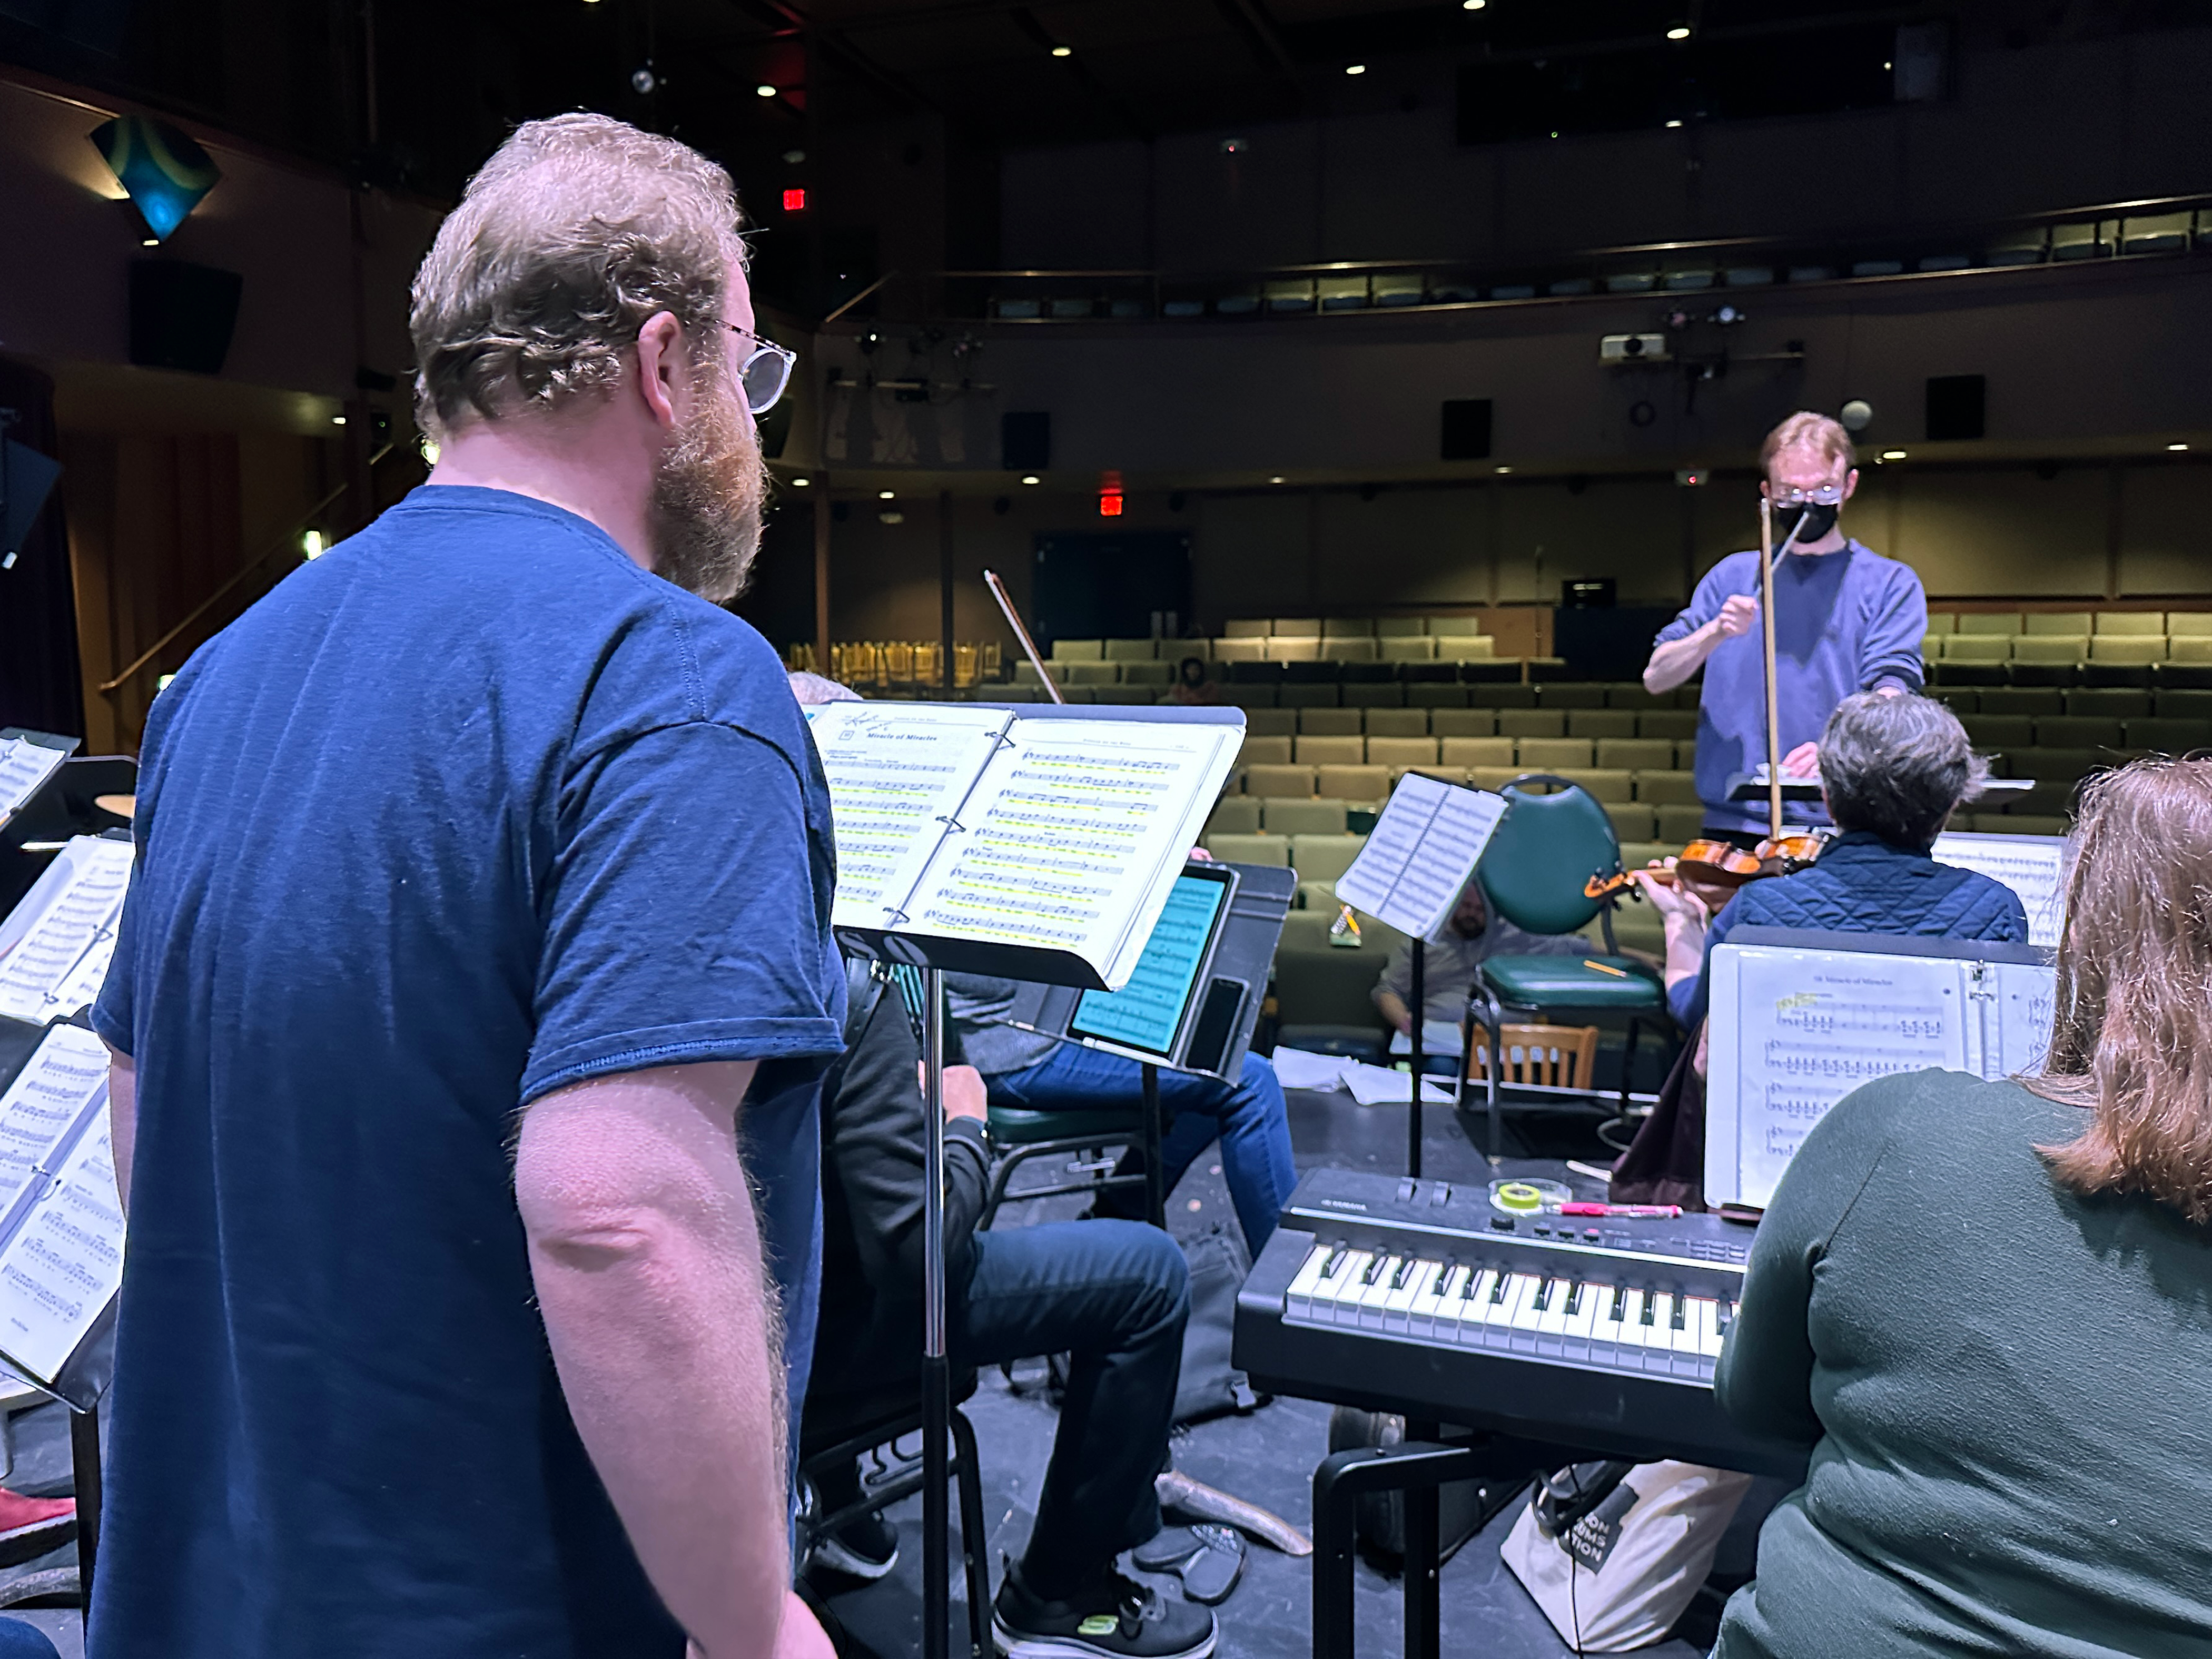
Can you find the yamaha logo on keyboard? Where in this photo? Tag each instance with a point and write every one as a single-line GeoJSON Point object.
{"type": "Point", "coordinates": [1343, 1204]}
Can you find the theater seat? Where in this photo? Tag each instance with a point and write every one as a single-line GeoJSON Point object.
{"type": "Point", "coordinates": [2072, 624]}
{"type": "Point", "coordinates": [1463, 722]}
{"type": "Point", "coordinates": [1324, 858]}
{"type": "Point", "coordinates": [1284, 647]}
{"type": "Point", "coordinates": [1361, 649]}
{"type": "Point", "coordinates": [1273, 781]}
{"type": "Point", "coordinates": [1637, 754]}
{"type": "Point", "coordinates": [1604, 783]}
{"type": "Point", "coordinates": [1250, 849]}
{"type": "Point", "coordinates": [1264, 751]}
{"type": "Point", "coordinates": [2116, 703]}
{"type": "Point", "coordinates": [2127, 648]}
{"type": "Point", "coordinates": [1355, 783]}
{"type": "Point", "coordinates": [1600, 722]}
{"type": "Point", "coordinates": [1234, 814]}
{"type": "Point", "coordinates": [2131, 623]}
{"type": "Point", "coordinates": [1632, 820]}
{"type": "Point", "coordinates": [1330, 723]}
{"type": "Point", "coordinates": [1331, 751]}
{"type": "Point", "coordinates": [2008, 623]}
{"type": "Point", "coordinates": [1273, 722]}
{"type": "Point", "coordinates": [1397, 722]}
{"type": "Point", "coordinates": [1680, 824]}
{"type": "Point", "coordinates": [1424, 695]}
{"type": "Point", "coordinates": [1130, 650]}
{"type": "Point", "coordinates": [1668, 789]}
{"type": "Point", "coordinates": [2168, 737]}
{"type": "Point", "coordinates": [1679, 724]}
{"type": "Point", "coordinates": [2050, 647]}
{"type": "Point", "coordinates": [1977, 648]}
{"type": "Point", "coordinates": [1532, 723]}
{"type": "Point", "coordinates": [1475, 751]}
{"type": "Point", "coordinates": [1551, 754]}
{"type": "Point", "coordinates": [2076, 732]}
{"type": "Point", "coordinates": [1402, 751]}
{"type": "Point", "coordinates": [1239, 650]}
{"type": "Point", "coordinates": [1314, 815]}
{"type": "Point", "coordinates": [1077, 650]}
{"type": "Point", "coordinates": [1403, 648]}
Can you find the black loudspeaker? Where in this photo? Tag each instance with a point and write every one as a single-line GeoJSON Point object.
{"type": "Point", "coordinates": [1466, 430]}
{"type": "Point", "coordinates": [182, 315]}
{"type": "Point", "coordinates": [1025, 440]}
{"type": "Point", "coordinates": [1955, 404]}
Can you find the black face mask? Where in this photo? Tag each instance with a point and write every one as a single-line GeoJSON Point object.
{"type": "Point", "coordinates": [1817, 522]}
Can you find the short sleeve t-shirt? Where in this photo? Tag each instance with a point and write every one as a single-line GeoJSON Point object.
{"type": "Point", "coordinates": [468, 809]}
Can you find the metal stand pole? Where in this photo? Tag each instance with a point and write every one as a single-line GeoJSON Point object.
{"type": "Point", "coordinates": [1156, 1193]}
{"type": "Point", "coordinates": [936, 1375]}
{"type": "Point", "coordinates": [84, 1468]}
{"type": "Point", "coordinates": [1413, 1113]}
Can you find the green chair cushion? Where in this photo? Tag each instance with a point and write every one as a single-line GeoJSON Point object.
{"type": "Point", "coordinates": [1015, 1126]}
{"type": "Point", "coordinates": [1564, 982]}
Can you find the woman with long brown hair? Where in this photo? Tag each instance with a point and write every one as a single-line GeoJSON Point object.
{"type": "Point", "coordinates": [1988, 1306]}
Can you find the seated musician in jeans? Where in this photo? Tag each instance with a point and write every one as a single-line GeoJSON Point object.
{"type": "Point", "coordinates": [1892, 769]}
{"type": "Point", "coordinates": [1987, 1307]}
{"type": "Point", "coordinates": [1113, 1295]}
{"type": "Point", "coordinates": [1043, 1074]}
{"type": "Point", "coordinates": [1451, 966]}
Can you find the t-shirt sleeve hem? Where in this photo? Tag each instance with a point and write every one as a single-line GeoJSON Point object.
{"type": "Point", "coordinates": [680, 1045]}
{"type": "Point", "coordinates": [109, 1031]}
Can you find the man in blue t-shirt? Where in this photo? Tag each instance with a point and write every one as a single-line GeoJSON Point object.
{"type": "Point", "coordinates": [1845, 620]}
{"type": "Point", "coordinates": [480, 926]}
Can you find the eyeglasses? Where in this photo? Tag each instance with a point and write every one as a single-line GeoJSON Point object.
{"type": "Point", "coordinates": [765, 372]}
{"type": "Point", "coordinates": [1826, 495]}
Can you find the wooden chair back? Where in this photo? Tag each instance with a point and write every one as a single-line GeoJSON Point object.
{"type": "Point", "coordinates": [1558, 1056]}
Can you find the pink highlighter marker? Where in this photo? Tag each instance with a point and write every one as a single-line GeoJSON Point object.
{"type": "Point", "coordinates": [1649, 1212]}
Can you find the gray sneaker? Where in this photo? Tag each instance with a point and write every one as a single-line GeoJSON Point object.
{"type": "Point", "coordinates": [1112, 1617]}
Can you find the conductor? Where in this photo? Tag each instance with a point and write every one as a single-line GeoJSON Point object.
{"type": "Point", "coordinates": [1845, 620]}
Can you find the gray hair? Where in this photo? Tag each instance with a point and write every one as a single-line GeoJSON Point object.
{"type": "Point", "coordinates": [812, 689]}
{"type": "Point", "coordinates": [1898, 766]}
{"type": "Point", "coordinates": [576, 231]}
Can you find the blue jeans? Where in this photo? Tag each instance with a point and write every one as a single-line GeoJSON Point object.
{"type": "Point", "coordinates": [1248, 1118]}
{"type": "Point", "coordinates": [1114, 1296]}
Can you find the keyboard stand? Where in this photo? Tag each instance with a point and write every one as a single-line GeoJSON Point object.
{"type": "Point", "coordinates": [1416, 1467]}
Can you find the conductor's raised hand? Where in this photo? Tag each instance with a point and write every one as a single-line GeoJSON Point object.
{"type": "Point", "coordinates": [1738, 615]}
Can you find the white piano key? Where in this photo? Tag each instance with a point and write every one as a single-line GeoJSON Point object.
{"type": "Point", "coordinates": [1421, 1310]}
{"type": "Point", "coordinates": [1338, 1298]}
{"type": "Point", "coordinates": [1298, 1299]}
{"type": "Point", "coordinates": [1589, 1307]}
{"type": "Point", "coordinates": [1684, 1337]}
{"type": "Point", "coordinates": [1398, 1308]}
{"type": "Point", "coordinates": [1521, 1302]}
{"type": "Point", "coordinates": [1632, 1331]}
{"type": "Point", "coordinates": [1378, 1293]}
{"type": "Point", "coordinates": [1709, 1336]}
{"type": "Point", "coordinates": [1553, 1319]}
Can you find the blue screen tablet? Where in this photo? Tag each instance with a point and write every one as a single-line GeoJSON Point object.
{"type": "Point", "coordinates": [1146, 1013]}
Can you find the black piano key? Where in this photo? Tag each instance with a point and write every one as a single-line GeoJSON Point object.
{"type": "Point", "coordinates": [1375, 1266]}
{"type": "Point", "coordinates": [1334, 1262]}
{"type": "Point", "coordinates": [1619, 1313]}
{"type": "Point", "coordinates": [1404, 1270]}
{"type": "Point", "coordinates": [1498, 1291]}
{"type": "Point", "coordinates": [1650, 1308]}
{"type": "Point", "coordinates": [1573, 1300]}
{"type": "Point", "coordinates": [1443, 1278]}
{"type": "Point", "coordinates": [1681, 1308]}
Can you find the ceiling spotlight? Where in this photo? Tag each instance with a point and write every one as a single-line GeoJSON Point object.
{"type": "Point", "coordinates": [1472, 5]}
{"type": "Point", "coordinates": [1676, 122]}
{"type": "Point", "coordinates": [1032, 478]}
{"type": "Point", "coordinates": [1893, 454]}
{"type": "Point", "coordinates": [311, 543]}
{"type": "Point", "coordinates": [1504, 469]}
{"type": "Point", "coordinates": [2176, 449]}
{"type": "Point", "coordinates": [1680, 31]}
{"type": "Point", "coordinates": [643, 80]}
{"type": "Point", "coordinates": [1856, 415]}
{"type": "Point", "coordinates": [887, 495]}
{"type": "Point", "coordinates": [150, 241]}
{"type": "Point", "coordinates": [1275, 480]}
{"type": "Point", "coordinates": [763, 90]}
{"type": "Point", "coordinates": [801, 484]}
{"type": "Point", "coordinates": [890, 516]}
{"type": "Point", "coordinates": [337, 420]}
{"type": "Point", "coordinates": [1063, 51]}
{"type": "Point", "coordinates": [792, 158]}
{"type": "Point", "coordinates": [1355, 68]}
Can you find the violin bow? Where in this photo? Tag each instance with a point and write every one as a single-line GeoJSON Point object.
{"type": "Point", "coordinates": [1773, 703]}
{"type": "Point", "coordinates": [1028, 645]}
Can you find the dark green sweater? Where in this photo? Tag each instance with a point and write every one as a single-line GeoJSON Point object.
{"type": "Point", "coordinates": [2011, 1387]}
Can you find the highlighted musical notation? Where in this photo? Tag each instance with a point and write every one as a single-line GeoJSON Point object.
{"type": "Point", "coordinates": [1147, 1011]}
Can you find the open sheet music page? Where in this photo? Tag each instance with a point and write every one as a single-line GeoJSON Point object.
{"type": "Point", "coordinates": [1422, 851]}
{"type": "Point", "coordinates": [1071, 837]}
{"type": "Point", "coordinates": [2033, 866]}
{"type": "Point", "coordinates": [69, 914]}
{"type": "Point", "coordinates": [1803, 1028]}
{"type": "Point", "coordinates": [896, 776]}
{"type": "Point", "coordinates": [61, 1223]}
{"type": "Point", "coordinates": [24, 767]}
{"type": "Point", "coordinates": [2026, 1001]}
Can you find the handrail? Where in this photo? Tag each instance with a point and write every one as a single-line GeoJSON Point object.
{"type": "Point", "coordinates": [108, 688]}
{"type": "Point", "coordinates": [857, 298]}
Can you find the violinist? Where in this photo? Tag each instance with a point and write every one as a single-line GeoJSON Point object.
{"type": "Point", "coordinates": [1893, 768]}
{"type": "Point", "coordinates": [1845, 620]}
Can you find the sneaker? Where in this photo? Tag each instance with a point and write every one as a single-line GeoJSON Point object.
{"type": "Point", "coordinates": [30, 1527]}
{"type": "Point", "coordinates": [865, 1548]}
{"type": "Point", "coordinates": [1112, 1617]}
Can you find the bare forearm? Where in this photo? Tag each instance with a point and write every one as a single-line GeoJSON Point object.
{"type": "Point", "coordinates": [1674, 662]}
{"type": "Point", "coordinates": [1686, 950]}
{"type": "Point", "coordinates": [1393, 1009]}
{"type": "Point", "coordinates": [650, 1278]}
{"type": "Point", "coordinates": [122, 1120]}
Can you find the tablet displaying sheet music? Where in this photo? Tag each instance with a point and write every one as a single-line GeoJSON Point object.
{"type": "Point", "coordinates": [61, 1222]}
{"type": "Point", "coordinates": [1799, 1020]}
{"type": "Point", "coordinates": [1042, 840]}
{"type": "Point", "coordinates": [56, 944]}
{"type": "Point", "coordinates": [1147, 1013]}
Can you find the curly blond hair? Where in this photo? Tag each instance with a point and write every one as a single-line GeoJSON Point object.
{"type": "Point", "coordinates": [576, 232]}
{"type": "Point", "coordinates": [1806, 430]}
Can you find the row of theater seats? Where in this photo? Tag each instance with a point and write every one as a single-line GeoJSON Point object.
{"type": "Point", "coordinates": [1546, 749]}
{"type": "Point", "coordinates": [1444, 647]}
{"type": "Point", "coordinates": [1523, 717]}
{"type": "Point", "coordinates": [1345, 628]}
{"type": "Point", "coordinates": [2129, 637]}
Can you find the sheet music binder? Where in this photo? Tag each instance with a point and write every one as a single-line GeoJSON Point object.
{"type": "Point", "coordinates": [1421, 854]}
{"type": "Point", "coordinates": [56, 943]}
{"type": "Point", "coordinates": [62, 1232]}
{"type": "Point", "coordinates": [1799, 1019]}
{"type": "Point", "coordinates": [28, 763]}
{"type": "Point", "coordinates": [1027, 841]}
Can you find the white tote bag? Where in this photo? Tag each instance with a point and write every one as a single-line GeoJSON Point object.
{"type": "Point", "coordinates": [1621, 1576]}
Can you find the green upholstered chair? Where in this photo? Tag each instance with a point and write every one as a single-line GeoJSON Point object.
{"type": "Point", "coordinates": [1089, 1139]}
{"type": "Point", "coordinates": [1533, 872]}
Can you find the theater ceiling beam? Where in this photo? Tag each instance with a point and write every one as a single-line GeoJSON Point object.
{"type": "Point", "coordinates": [1250, 19]}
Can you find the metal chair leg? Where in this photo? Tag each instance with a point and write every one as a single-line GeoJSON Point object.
{"type": "Point", "coordinates": [1494, 1022]}
{"type": "Point", "coordinates": [968, 1473]}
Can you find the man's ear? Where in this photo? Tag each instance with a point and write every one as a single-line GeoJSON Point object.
{"type": "Point", "coordinates": [663, 376]}
{"type": "Point", "coordinates": [1850, 484]}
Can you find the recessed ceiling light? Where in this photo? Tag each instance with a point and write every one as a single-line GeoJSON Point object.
{"type": "Point", "coordinates": [1472, 5]}
{"type": "Point", "coordinates": [2175, 449]}
{"type": "Point", "coordinates": [1278, 480]}
{"type": "Point", "coordinates": [1675, 122]}
{"type": "Point", "coordinates": [1355, 68]}
{"type": "Point", "coordinates": [337, 420]}
{"type": "Point", "coordinates": [1030, 478]}
{"type": "Point", "coordinates": [1504, 469]}
{"type": "Point", "coordinates": [890, 515]}
{"type": "Point", "coordinates": [1063, 51]}
{"type": "Point", "coordinates": [763, 90]}
{"type": "Point", "coordinates": [887, 495]}
{"type": "Point", "coordinates": [150, 241]}
{"type": "Point", "coordinates": [1680, 31]}
{"type": "Point", "coordinates": [1893, 454]}
{"type": "Point", "coordinates": [1555, 134]}
{"type": "Point", "coordinates": [801, 484]}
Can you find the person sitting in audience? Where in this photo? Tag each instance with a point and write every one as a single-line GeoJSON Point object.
{"type": "Point", "coordinates": [1113, 1295]}
{"type": "Point", "coordinates": [1044, 1074]}
{"type": "Point", "coordinates": [1192, 690]}
{"type": "Point", "coordinates": [1892, 769]}
{"type": "Point", "coordinates": [1984, 1306]}
{"type": "Point", "coordinates": [1450, 965]}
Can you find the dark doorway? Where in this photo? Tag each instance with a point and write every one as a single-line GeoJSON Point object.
{"type": "Point", "coordinates": [1094, 584]}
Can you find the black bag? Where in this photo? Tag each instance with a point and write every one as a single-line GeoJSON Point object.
{"type": "Point", "coordinates": [1463, 1507]}
{"type": "Point", "coordinates": [1211, 1386]}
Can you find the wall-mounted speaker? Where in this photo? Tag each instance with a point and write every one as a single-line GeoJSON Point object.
{"type": "Point", "coordinates": [1466, 430]}
{"type": "Point", "coordinates": [1025, 440]}
{"type": "Point", "coordinates": [1956, 405]}
{"type": "Point", "coordinates": [182, 315]}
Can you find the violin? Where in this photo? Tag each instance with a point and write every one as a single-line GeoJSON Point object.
{"type": "Point", "coordinates": [1713, 870]}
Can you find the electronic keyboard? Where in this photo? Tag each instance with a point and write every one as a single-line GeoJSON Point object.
{"type": "Point", "coordinates": [1420, 1297]}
